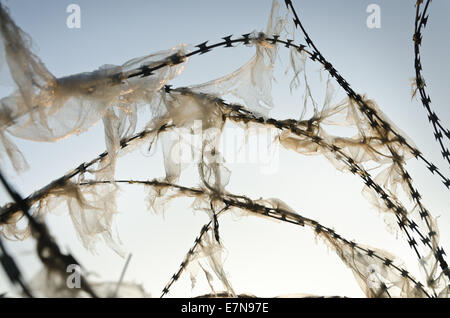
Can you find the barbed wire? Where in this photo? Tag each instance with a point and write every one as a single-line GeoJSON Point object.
{"type": "Point", "coordinates": [12, 270]}
{"type": "Point", "coordinates": [377, 122]}
{"type": "Point", "coordinates": [9, 209]}
{"type": "Point", "coordinates": [145, 71]}
{"type": "Point", "coordinates": [439, 131]}
{"type": "Point", "coordinates": [189, 255]}
{"type": "Point", "coordinates": [47, 249]}
{"type": "Point", "coordinates": [371, 114]}
{"type": "Point", "coordinates": [238, 113]}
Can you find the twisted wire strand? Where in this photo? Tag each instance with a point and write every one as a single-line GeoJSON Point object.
{"type": "Point", "coordinates": [247, 204]}
{"type": "Point", "coordinates": [48, 250]}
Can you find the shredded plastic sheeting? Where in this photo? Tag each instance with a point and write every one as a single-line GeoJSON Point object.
{"type": "Point", "coordinates": [45, 108]}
